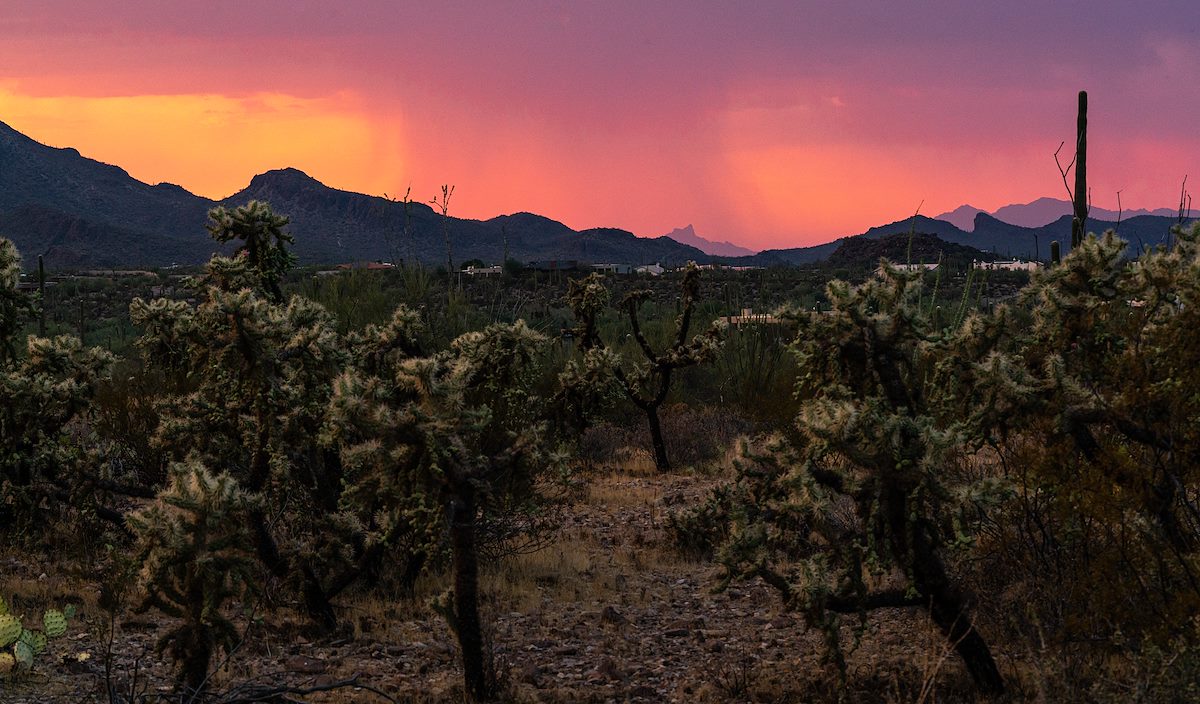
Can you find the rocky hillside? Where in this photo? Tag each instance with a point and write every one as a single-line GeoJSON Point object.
{"type": "Point", "coordinates": [921, 247]}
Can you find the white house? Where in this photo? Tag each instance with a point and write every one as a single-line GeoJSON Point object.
{"type": "Point", "coordinates": [911, 267]}
{"type": "Point", "coordinates": [749, 317]}
{"type": "Point", "coordinates": [1006, 265]}
{"type": "Point", "coordinates": [613, 268]}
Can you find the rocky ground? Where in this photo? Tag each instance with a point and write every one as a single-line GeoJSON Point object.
{"type": "Point", "coordinates": [608, 613]}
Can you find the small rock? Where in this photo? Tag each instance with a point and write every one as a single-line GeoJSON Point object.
{"type": "Point", "coordinates": [305, 665]}
{"type": "Point", "coordinates": [608, 668]}
{"type": "Point", "coordinates": [530, 674]}
{"type": "Point", "coordinates": [611, 615]}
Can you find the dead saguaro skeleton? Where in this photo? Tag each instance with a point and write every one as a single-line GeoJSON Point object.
{"type": "Point", "coordinates": [1080, 196]}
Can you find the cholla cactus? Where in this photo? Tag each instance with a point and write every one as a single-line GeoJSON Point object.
{"type": "Point", "coordinates": [14, 305]}
{"type": "Point", "coordinates": [19, 645]}
{"type": "Point", "coordinates": [194, 548]}
{"type": "Point", "coordinates": [43, 389]}
{"type": "Point", "coordinates": [263, 241]}
{"type": "Point", "coordinates": [255, 377]}
{"type": "Point", "coordinates": [442, 440]}
{"type": "Point", "coordinates": [876, 434]}
{"type": "Point", "coordinates": [647, 382]}
{"type": "Point", "coordinates": [1114, 363]}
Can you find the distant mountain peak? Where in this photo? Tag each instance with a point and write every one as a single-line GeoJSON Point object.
{"type": "Point", "coordinates": [962, 217]}
{"type": "Point", "coordinates": [287, 178]}
{"type": "Point", "coordinates": [687, 235]}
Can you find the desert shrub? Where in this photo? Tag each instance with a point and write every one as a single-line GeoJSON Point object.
{"type": "Point", "coordinates": [756, 372]}
{"type": "Point", "coordinates": [695, 436]}
{"type": "Point", "coordinates": [698, 532]}
{"type": "Point", "coordinates": [354, 298]}
{"type": "Point", "coordinates": [125, 419]}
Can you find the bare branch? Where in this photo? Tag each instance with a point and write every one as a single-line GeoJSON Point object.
{"type": "Point", "coordinates": [1064, 171]}
{"type": "Point", "coordinates": [1119, 211]}
{"type": "Point", "coordinates": [1185, 201]}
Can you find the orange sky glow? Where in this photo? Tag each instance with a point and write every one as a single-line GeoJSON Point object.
{"type": "Point", "coordinates": [778, 126]}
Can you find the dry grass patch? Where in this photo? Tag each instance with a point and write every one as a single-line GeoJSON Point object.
{"type": "Point", "coordinates": [563, 572]}
{"type": "Point", "coordinates": [622, 491]}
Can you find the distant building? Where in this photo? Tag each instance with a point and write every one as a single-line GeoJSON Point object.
{"type": "Point", "coordinates": [909, 267]}
{"type": "Point", "coordinates": [1006, 265]}
{"type": "Point", "coordinates": [613, 268]}
{"type": "Point", "coordinates": [483, 270]}
{"type": "Point", "coordinates": [375, 265]}
{"type": "Point", "coordinates": [749, 317]}
{"type": "Point", "coordinates": [113, 273]}
{"type": "Point", "coordinates": [651, 269]}
{"type": "Point", "coordinates": [721, 267]}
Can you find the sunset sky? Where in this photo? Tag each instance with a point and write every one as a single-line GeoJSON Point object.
{"type": "Point", "coordinates": [768, 123]}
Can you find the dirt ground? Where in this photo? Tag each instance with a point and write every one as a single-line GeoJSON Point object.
{"type": "Point", "coordinates": [608, 613]}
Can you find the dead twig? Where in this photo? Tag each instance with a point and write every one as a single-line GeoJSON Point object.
{"type": "Point", "coordinates": [251, 694]}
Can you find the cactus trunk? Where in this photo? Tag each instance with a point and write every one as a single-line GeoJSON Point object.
{"type": "Point", "coordinates": [661, 462]}
{"type": "Point", "coordinates": [1079, 221]}
{"type": "Point", "coordinates": [467, 625]}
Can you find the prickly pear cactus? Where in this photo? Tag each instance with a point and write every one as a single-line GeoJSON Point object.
{"type": "Point", "coordinates": [19, 645]}
{"type": "Point", "coordinates": [24, 654]}
{"type": "Point", "coordinates": [54, 623]}
{"type": "Point", "coordinates": [10, 630]}
{"type": "Point", "coordinates": [35, 640]}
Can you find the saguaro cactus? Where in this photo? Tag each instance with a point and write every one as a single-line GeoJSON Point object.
{"type": "Point", "coordinates": [1079, 221]}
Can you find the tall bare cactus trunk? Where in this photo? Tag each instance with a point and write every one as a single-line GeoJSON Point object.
{"type": "Point", "coordinates": [1079, 221]}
